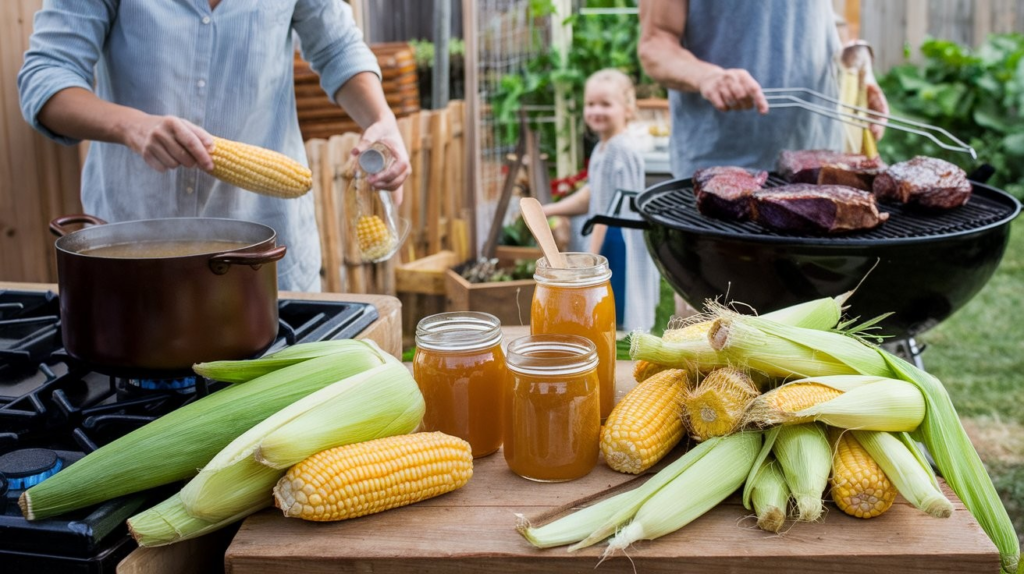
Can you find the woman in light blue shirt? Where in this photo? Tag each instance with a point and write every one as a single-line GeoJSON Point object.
{"type": "Point", "coordinates": [149, 82]}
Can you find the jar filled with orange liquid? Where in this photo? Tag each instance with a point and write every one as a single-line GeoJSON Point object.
{"type": "Point", "coordinates": [460, 369]}
{"type": "Point", "coordinates": [578, 300]}
{"type": "Point", "coordinates": [553, 407]}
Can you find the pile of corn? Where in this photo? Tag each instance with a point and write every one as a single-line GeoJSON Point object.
{"type": "Point", "coordinates": [791, 409]}
{"type": "Point", "coordinates": [319, 429]}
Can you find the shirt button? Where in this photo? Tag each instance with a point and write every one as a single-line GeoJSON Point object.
{"type": "Point", "coordinates": [206, 19]}
{"type": "Point", "coordinates": [201, 83]}
{"type": "Point", "coordinates": [189, 189]}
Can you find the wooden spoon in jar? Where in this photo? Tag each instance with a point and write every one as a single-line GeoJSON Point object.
{"type": "Point", "coordinates": [538, 224]}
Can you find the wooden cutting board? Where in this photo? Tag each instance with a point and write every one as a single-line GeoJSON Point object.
{"type": "Point", "coordinates": [473, 530]}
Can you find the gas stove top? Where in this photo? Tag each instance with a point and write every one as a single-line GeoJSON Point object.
{"type": "Point", "coordinates": [55, 410]}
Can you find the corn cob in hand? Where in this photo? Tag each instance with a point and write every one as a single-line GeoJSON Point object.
{"type": "Point", "coordinates": [261, 170]}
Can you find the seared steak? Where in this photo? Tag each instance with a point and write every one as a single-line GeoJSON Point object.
{"type": "Point", "coordinates": [816, 209]}
{"type": "Point", "coordinates": [924, 181]}
{"type": "Point", "coordinates": [856, 176]}
{"type": "Point", "coordinates": [724, 192]}
{"type": "Point", "coordinates": [803, 166]}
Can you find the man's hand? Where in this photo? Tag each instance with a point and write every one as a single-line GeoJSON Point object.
{"type": "Point", "coordinates": [392, 178]}
{"type": "Point", "coordinates": [732, 89]}
{"type": "Point", "coordinates": [877, 103]}
{"type": "Point", "coordinates": [168, 142]}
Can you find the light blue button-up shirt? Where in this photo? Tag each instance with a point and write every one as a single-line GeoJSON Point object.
{"type": "Point", "coordinates": [229, 70]}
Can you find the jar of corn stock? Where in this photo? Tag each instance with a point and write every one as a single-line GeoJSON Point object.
{"type": "Point", "coordinates": [460, 369]}
{"type": "Point", "coordinates": [578, 300]}
{"type": "Point", "coordinates": [553, 407]}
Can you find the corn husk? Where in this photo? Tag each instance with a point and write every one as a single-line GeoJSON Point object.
{"type": "Point", "coordinates": [940, 431]}
{"type": "Point", "coordinates": [686, 346]}
{"type": "Point", "coordinates": [769, 496]}
{"type": "Point", "coordinates": [594, 523]}
{"type": "Point", "coordinates": [701, 487]}
{"type": "Point", "coordinates": [804, 453]}
{"type": "Point", "coordinates": [168, 522]}
{"type": "Point", "coordinates": [866, 403]}
{"type": "Point", "coordinates": [174, 446]}
{"type": "Point", "coordinates": [382, 401]}
{"type": "Point", "coordinates": [243, 371]}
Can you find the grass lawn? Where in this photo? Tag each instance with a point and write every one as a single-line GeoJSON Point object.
{"type": "Point", "coordinates": [978, 354]}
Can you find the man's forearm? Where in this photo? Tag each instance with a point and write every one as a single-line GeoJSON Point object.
{"type": "Point", "coordinates": [80, 114]}
{"type": "Point", "coordinates": [363, 99]}
{"type": "Point", "coordinates": [673, 66]}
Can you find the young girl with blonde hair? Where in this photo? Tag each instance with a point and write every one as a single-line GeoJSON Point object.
{"type": "Point", "coordinates": [609, 105]}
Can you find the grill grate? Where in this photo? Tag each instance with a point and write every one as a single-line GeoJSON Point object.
{"type": "Point", "coordinates": [673, 204]}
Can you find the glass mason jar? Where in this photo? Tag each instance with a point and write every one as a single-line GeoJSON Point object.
{"type": "Point", "coordinates": [460, 369]}
{"type": "Point", "coordinates": [578, 300]}
{"type": "Point", "coordinates": [553, 407]}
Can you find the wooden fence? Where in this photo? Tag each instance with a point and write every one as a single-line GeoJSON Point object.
{"type": "Point", "coordinates": [889, 25]}
{"type": "Point", "coordinates": [435, 200]}
{"type": "Point", "coordinates": [39, 179]}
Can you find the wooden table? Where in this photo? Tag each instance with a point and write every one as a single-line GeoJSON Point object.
{"type": "Point", "coordinates": [473, 530]}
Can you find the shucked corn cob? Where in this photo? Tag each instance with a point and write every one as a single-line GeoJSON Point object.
{"type": "Point", "coordinates": [375, 239]}
{"type": "Point", "coordinates": [646, 424]}
{"type": "Point", "coordinates": [261, 170]}
{"type": "Point", "coordinates": [716, 406]}
{"type": "Point", "coordinates": [373, 476]}
{"type": "Point", "coordinates": [644, 370]}
{"type": "Point", "coordinates": [859, 486]}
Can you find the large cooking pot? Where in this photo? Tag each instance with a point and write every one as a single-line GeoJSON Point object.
{"type": "Point", "coordinates": [920, 266]}
{"type": "Point", "coordinates": [156, 316]}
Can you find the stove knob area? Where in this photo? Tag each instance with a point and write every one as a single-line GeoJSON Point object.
{"type": "Point", "coordinates": [3, 493]}
{"type": "Point", "coordinates": [28, 467]}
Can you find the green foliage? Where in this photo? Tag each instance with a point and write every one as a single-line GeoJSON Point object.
{"type": "Point", "coordinates": [976, 95]}
{"type": "Point", "coordinates": [598, 42]}
{"type": "Point", "coordinates": [423, 50]}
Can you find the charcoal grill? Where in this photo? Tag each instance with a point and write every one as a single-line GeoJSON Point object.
{"type": "Point", "coordinates": [920, 266]}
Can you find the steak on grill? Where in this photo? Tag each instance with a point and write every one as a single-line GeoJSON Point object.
{"type": "Point", "coordinates": [724, 192]}
{"type": "Point", "coordinates": [850, 175]}
{"type": "Point", "coordinates": [816, 209]}
{"type": "Point", "coordinates": [804, 166]}
{"type": "Point", "coordinates": [927, 182]}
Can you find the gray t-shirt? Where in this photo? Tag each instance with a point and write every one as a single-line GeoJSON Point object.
{"type": "Point", "coordinates": [781, 43]}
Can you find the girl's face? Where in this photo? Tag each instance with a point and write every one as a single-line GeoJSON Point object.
{"type": "Point", "coordinates": [604, 108]}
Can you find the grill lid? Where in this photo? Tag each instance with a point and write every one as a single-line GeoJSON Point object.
{"type": "Point", "coordinates": [672, 204]}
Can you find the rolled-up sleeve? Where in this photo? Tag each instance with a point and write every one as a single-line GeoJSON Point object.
{"type": "Point", "coordinates": [332, 43]}
{"type": "Point", "coordinates": [67, 40]}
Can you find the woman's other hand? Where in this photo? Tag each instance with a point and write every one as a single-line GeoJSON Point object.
{"type": "Point", "coordinates": [732, 89]}
{"type": "Point", "coordinates": [392, 178]}
{"type": "Point", "coordinates": [168, 142]}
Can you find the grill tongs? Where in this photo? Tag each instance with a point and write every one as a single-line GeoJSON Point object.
{"type": "Point", "coordinates": [791, 98]}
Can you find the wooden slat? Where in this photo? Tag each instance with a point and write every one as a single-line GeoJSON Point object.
{"type": "Point", "coordinates": [436, 188]}
{"type": "Point", "coordinates": [405, 128]}
{"type": "Point", "coordinates": [917, 26]}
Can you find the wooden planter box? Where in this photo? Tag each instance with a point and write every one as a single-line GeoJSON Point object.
{"type": "Point", "coordinates": [509, 301]}
{"type": "Point", "coordinates": [429, 285]}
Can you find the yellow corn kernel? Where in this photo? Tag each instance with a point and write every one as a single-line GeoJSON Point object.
{"type": "Point", "coordinates": [797, 397]}
{"type": "Point", "coordinates": [374, 238]}
{"type": "Point", "coordinates": [644, 370]}
{"type": "Point", "coordinates": [691, 332]}
{"type": "Point", "coordinates": [261, 170]}
{"type": "Point", "coordinates": [374, 476]}
{"type": "Point", "coordinates": [859, 487]}
{"type": "Point", "coordinates": [716, 406]}
{"type": "Point", "coordinates": [646, 424]}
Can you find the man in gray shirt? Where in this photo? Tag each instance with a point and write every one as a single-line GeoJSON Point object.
{"type": "Point", "coordinates": [716, 55]}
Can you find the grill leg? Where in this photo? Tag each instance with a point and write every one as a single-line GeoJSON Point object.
{"type": "Point", "coordinates": [907, 349]}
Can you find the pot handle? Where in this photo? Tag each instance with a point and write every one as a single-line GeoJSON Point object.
{"type": "Point", "coordinates": [221, 262]}
{"type": "Point", "coordinates": [614, 208]}
{"type": "Point", "coordinates": [57, 225]}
